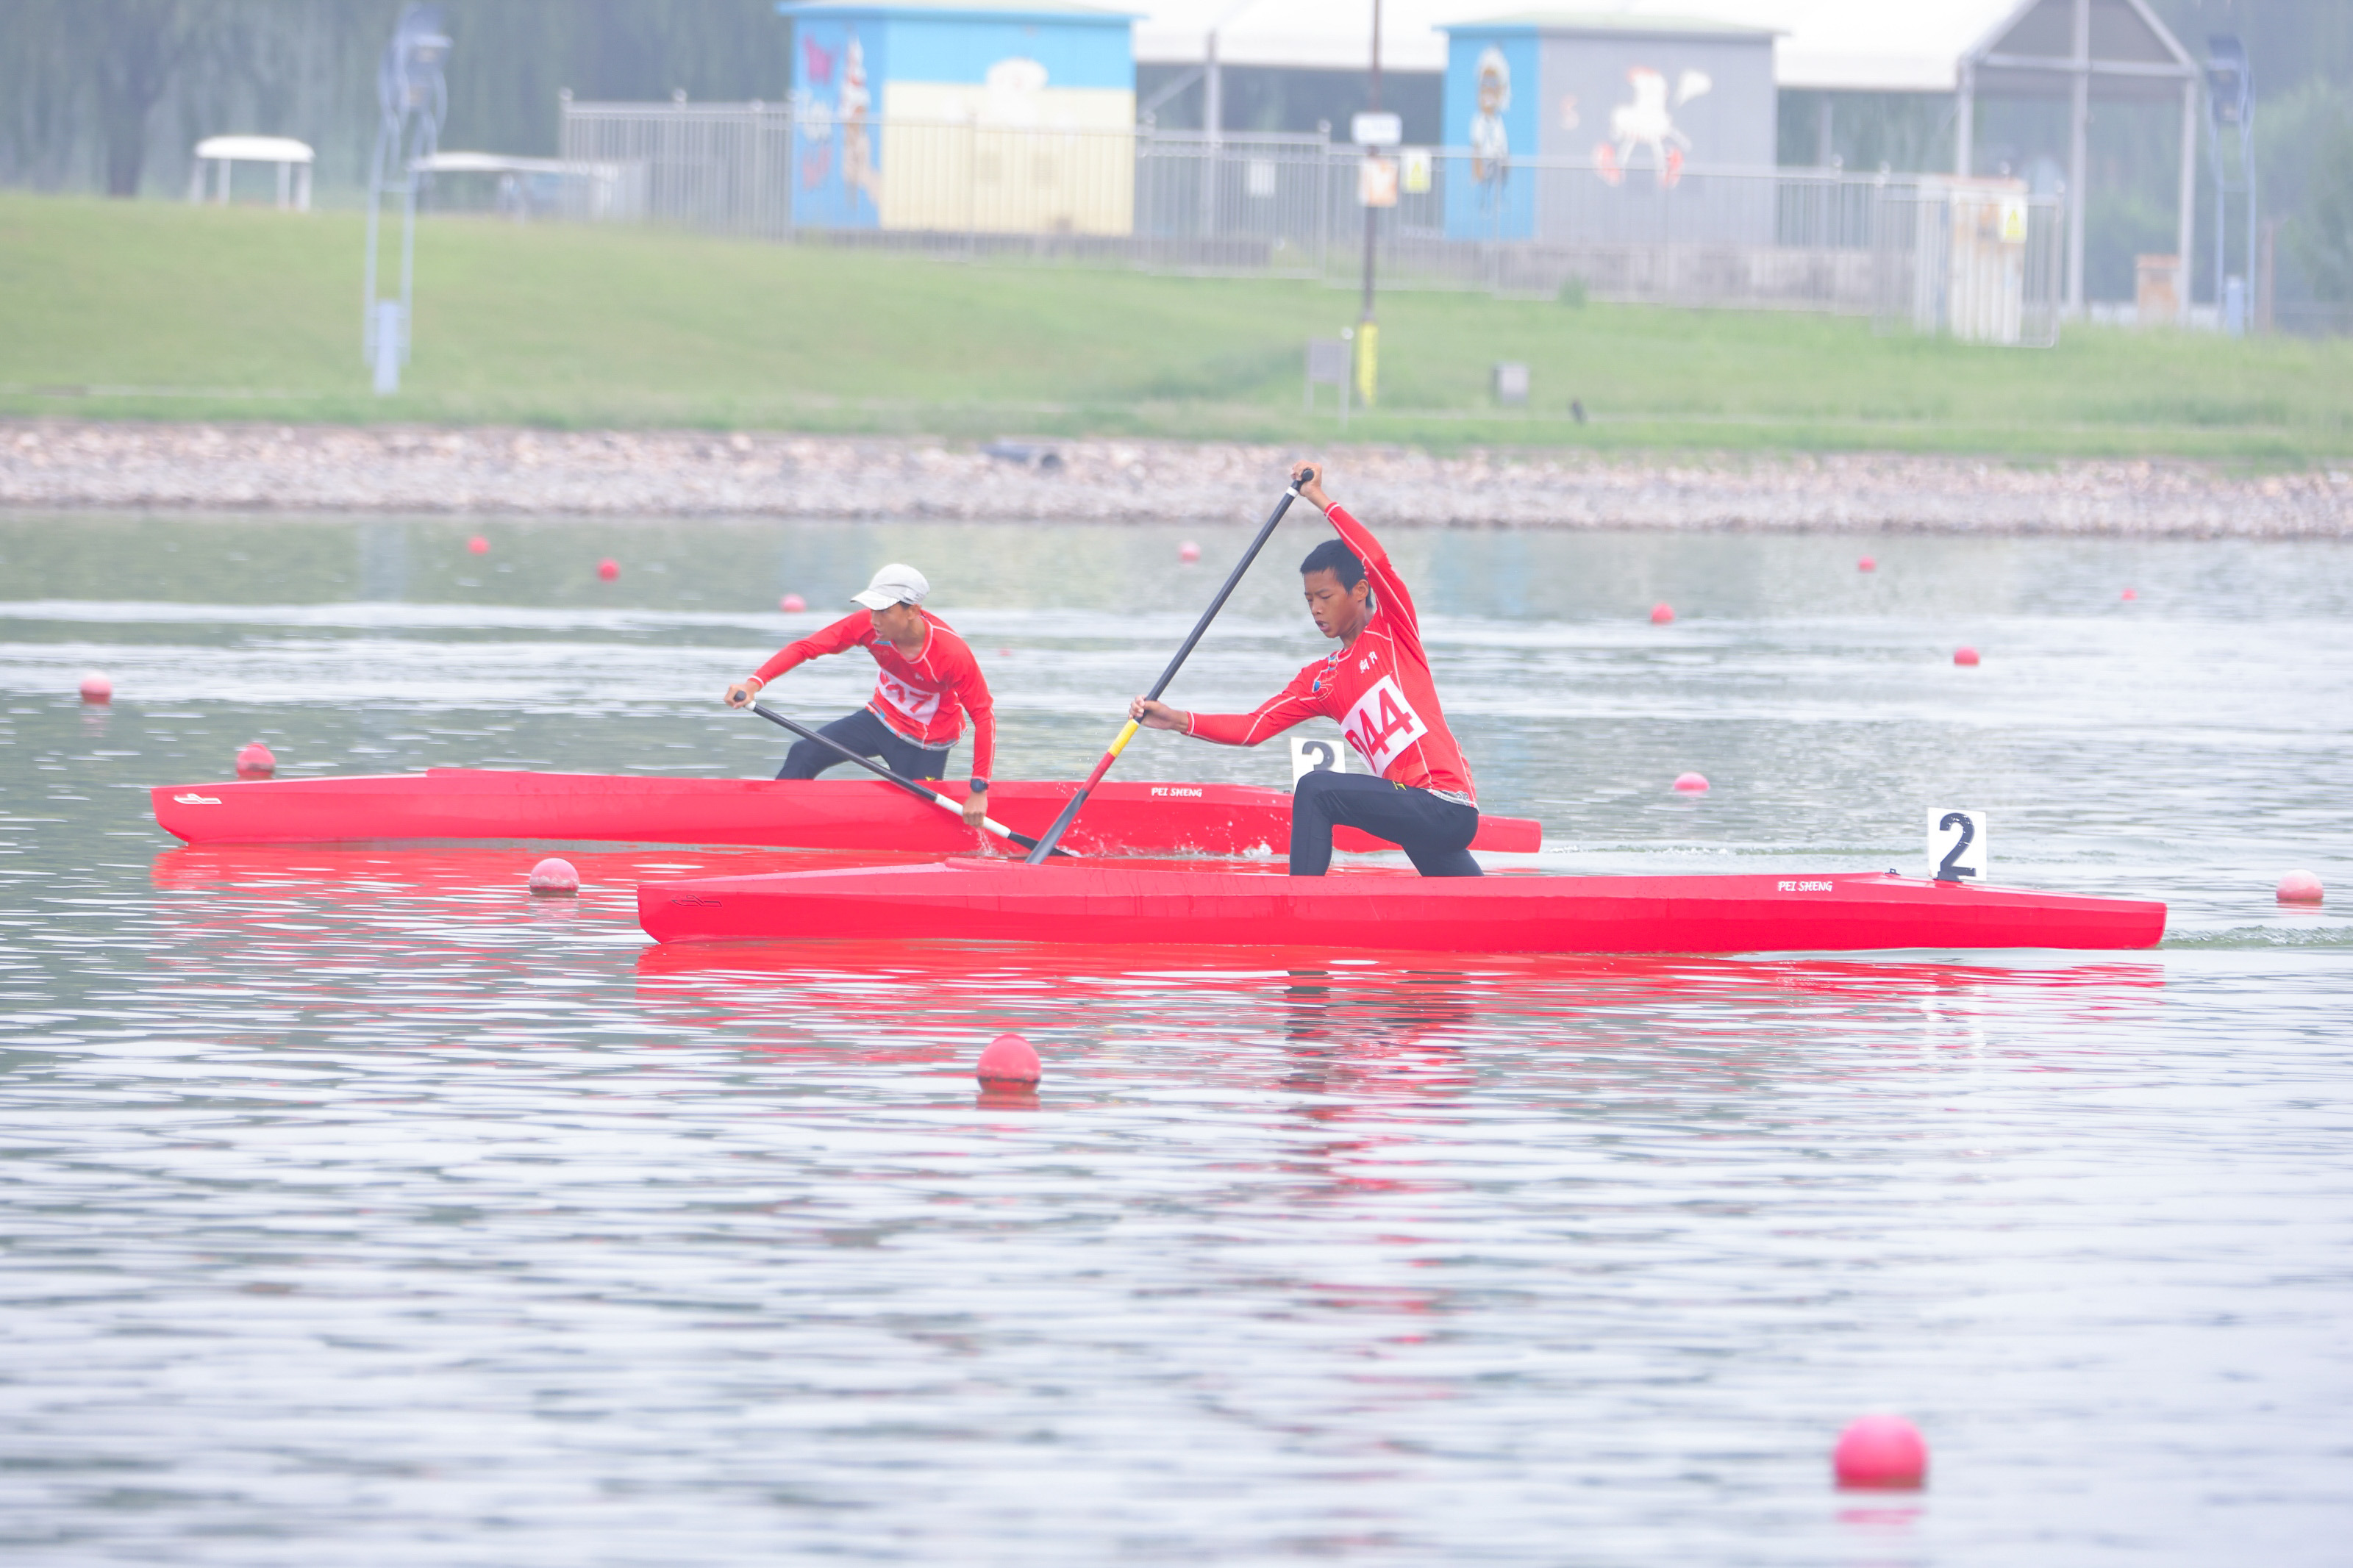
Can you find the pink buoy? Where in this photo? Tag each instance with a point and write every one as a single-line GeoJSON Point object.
{"type": "Point", "coordinates": [2300, 887]}
{"type": "Point", "coordinates": [2130, 595]}
{"type": "Point", "coordinates": [792, 603]}
{"type": "Point", "coordinates": [97, 687]}
{"type": "Point", "coordinates": [1964, 656]}
{"type": "Point", "coordinates": [1882, 1451]}
{"type": "Point", "coordinates": [479, 545]}
{"type": "Point", "coordinates": [1866, 565]}
{"type": "Point", "coordinates": [254, 762]}
{"type": "Point", "coordinates": [1188, 551]}
{"type": "Point", "coordinates": [1661, 614]}
{"type": "Point", "coordinates": [1691, 784]}
{"type": "Point", "coordinates": [1008, 1060]}
{"type": "Point", "coordinates": [555, 877]}
{"type": "Point", "coordinates": [608, 569]}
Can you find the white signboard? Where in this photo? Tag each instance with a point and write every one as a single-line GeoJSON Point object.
{"type": "Point", "coordinates": [1316, 755]}
{"type": "Point", "coordinates": [1376, 129]}
{"type": "Point", "coordinates": [1957, 851]}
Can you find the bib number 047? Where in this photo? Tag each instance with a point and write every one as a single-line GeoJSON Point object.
{"type": "Point", "coordinates": [1957, 851]}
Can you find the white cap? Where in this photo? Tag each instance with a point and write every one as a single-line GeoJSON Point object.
{"type": "Point", "coordinates": [897, 583]}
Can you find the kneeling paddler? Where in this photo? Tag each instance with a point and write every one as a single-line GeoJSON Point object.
{"type": "Point", "coordinates": [1378, 685]}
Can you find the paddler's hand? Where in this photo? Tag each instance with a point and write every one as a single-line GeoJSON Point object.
{"type": "Point", "coordinates": [976, 806]}
{"type": "Point", "coordinates": [743, 693]}
{"type": "Point", "coordinates": [1307, 478]}
{"type": "Point", "coordinates": [1156, 715]}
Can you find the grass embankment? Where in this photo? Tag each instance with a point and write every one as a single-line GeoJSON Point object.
{"type": "Point", "coordinates": [162, 311]}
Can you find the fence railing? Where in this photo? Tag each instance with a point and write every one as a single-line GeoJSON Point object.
{"type": "Point", "coordinates": [1289, 204]}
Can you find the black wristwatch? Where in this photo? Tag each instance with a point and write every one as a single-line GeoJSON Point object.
{"type": "Point", "coordinates": [980, 786]}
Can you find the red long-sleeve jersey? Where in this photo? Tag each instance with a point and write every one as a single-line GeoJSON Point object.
{"type": "Point", "coordinates": [924, 697]}
{"type": "Point", "coordinates": [1378, 687]}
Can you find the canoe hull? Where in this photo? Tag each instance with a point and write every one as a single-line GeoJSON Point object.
{"type": "Point", "coordinates": [457, 804]}
{"type": "Point", "coordinates": [1091, 904]}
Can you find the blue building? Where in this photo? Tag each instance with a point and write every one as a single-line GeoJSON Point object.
{"type": "Point", "coordinates": [1635, 97]}
{"type": "Point", "coordinates": [959, 115]}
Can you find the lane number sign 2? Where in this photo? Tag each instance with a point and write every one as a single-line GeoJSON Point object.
{"type": "Point", "coordinates": [1312, 754]}
{"type": "Point", "coordinates": [1957, 851]}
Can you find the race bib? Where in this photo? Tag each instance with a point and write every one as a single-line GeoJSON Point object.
{"type": "Point", "coordinates": [916, 704]}
{"type": "Point", "coordinates": [1382, 724]}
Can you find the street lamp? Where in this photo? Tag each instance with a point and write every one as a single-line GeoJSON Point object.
{"type": "Point", "coordinates": [413, 100]}
{"type": "Point", "coordinates": [2230, 106]}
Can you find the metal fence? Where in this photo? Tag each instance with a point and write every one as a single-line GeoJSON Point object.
{"type": "Point", "coordinates": [1289, 206]}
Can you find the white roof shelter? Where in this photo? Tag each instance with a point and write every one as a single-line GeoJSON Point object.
{"type": "Point", "coordinates": [293, 159]}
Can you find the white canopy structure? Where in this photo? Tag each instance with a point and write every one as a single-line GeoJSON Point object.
{"type": "Point", "coordinates": [293, 159]}
{"type": "Point", "coordinates": [2080, 50]}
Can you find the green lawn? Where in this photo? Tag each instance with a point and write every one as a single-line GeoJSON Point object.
{"type": "Point", "coordinates": [155, 310]}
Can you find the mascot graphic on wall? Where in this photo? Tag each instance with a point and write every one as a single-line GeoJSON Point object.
{"type": "Point", "coordinates": [1648, 121]}
{"type": "Point", "coordinates": [858, 171]}
{"type": "Point", "coordinates": [1491, 144]}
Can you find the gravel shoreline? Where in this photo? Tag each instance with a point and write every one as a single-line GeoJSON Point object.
{"type": "Point", "coordinates": [217, 467]}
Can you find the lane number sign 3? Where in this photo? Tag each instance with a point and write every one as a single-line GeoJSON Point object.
{"type": "Point", "coordinates": [1311, 754]}
{"type": "Point", "coordinates": [1957, 851]}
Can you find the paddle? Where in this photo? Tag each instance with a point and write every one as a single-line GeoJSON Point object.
{"type": "Point", "coordinates": [1062, 824]}
{"type": "Point", "coordinates": [909, 786]}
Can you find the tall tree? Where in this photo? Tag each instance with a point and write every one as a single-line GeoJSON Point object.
{"type": "Point", "coordinates": [2322, 235]}
{"type": "Point", "coordinates": [133, 47]}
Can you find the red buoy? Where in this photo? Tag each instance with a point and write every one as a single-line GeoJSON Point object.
{"type": "Point", "coordinates": [1008, 1060]}
{"type": "Point", "coordinates": [97, 687]}
{"type": "Point", "coordinates": [1661, 614]}
{"type": "Point", "coordinates": [1866, 565]}
{"type": "Point", "coordinates": [2300, 887]}
{"type": "Point", "coordinates": [555, 877]}
{"type": "Point", "coordinates": [792, 603]}
{"type": "Point", "coordinates": [608, 569]}
{"type": "Point", "coordinates": [1964, 656]}
{"type": "Point", "coordinates": [479, 545]}
{"type": "Point", "coordinates": [1882, 1451]}
{"type": "Point", "coordinates": [1188, 551]}
{"type": "Point", "coordinates": [1691, 784]}
{"type": "Point", "coordinates": [254, 762]}
{"type": "Point", "coordinates": [2130, 594]}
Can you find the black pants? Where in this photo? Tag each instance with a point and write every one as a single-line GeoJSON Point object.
{"type": "Point", "coordinates": [870, 737]}
{"type": "Point", "coordinates": [1434, 834]}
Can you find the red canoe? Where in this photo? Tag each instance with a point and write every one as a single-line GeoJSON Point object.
{"type": "Point", "coordinates": [819, 814]}
{"type": "Point", "coordinates": [1076, 902]}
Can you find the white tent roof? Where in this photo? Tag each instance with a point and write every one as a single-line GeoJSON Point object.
{"type": "Point", "coordinates": [1877, 46]}
{"type": "Point", "coordinates": [255, 149]}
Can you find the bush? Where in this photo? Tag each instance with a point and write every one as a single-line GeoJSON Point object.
{"type": "Point", "coordinates": [1572, 293]}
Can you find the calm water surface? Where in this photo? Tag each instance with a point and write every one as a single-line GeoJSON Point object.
{"type": "Point", "coordinates": [359, 1209]}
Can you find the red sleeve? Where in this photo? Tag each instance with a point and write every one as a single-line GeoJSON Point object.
{"type": "Point", "coordinates": [1294, 704]}
{"type": "Point", "coordinates": [1405, 624]}
{"type": "Point", "coordinates": [972, 690]}
{"type": "Point", "coordinates": [850, 632]}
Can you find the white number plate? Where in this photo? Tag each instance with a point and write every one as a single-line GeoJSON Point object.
{"type": "Point", "coordinates": [1311, 754]}
{"type": "Point", "coordinates": [1958, 850]}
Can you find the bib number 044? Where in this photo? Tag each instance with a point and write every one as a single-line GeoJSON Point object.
{"type": "Point", "coordinates": [1957, 851]}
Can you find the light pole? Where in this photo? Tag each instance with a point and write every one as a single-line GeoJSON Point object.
{"type": "Point", "coordinates": [2230, 105]}
{"type": "Point", "coordinates": [413, 98]}
{"type": "Point", "coordinates": [1370, 129]}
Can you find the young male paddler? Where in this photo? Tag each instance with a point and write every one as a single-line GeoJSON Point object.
{"type": "Point", "coordinates": [1378, 685]}
{"type": "Point", "coordinates": [929, 681]}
